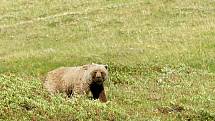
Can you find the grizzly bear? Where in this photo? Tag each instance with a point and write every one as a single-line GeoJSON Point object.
{"type": "Point", "coordinates": [78, 80]}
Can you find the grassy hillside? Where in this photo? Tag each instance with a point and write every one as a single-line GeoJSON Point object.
{"type": "Point", "coordinates": [161, 57]}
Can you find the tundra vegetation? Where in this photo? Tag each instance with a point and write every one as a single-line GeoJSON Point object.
{"type": "Point", "coordinates": [161, 57]}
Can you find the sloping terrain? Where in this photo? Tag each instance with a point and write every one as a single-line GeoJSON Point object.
{"type": "Point", "coordinates": [161, 57]}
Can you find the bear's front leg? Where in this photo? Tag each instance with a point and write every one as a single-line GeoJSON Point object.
{"type": "Point", "coordinates": [102, 96]}
{"type": "Point", "coordinates": [98, 92]}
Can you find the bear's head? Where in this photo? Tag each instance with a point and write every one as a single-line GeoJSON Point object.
{"type": "Point", "coordinates": [97, 73]}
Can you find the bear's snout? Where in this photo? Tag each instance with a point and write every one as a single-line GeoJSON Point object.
{"type": "Point", "coordinates": [98, 75]}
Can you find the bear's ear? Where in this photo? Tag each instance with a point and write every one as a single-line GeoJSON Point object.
{"type": "Point", "coordinates": [85, 67]}
{"type": "Point", "coordinates": [106, 66]}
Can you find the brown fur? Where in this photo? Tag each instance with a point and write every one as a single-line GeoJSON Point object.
{"type": "Point", "coordinates": [80, 80]}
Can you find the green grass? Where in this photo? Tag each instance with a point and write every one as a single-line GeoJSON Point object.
{"type": "Point", "coordinates": [161, 57]}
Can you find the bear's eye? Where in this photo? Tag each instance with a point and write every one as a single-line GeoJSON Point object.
{"type": "Point", "coordinates": [103, 73]}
